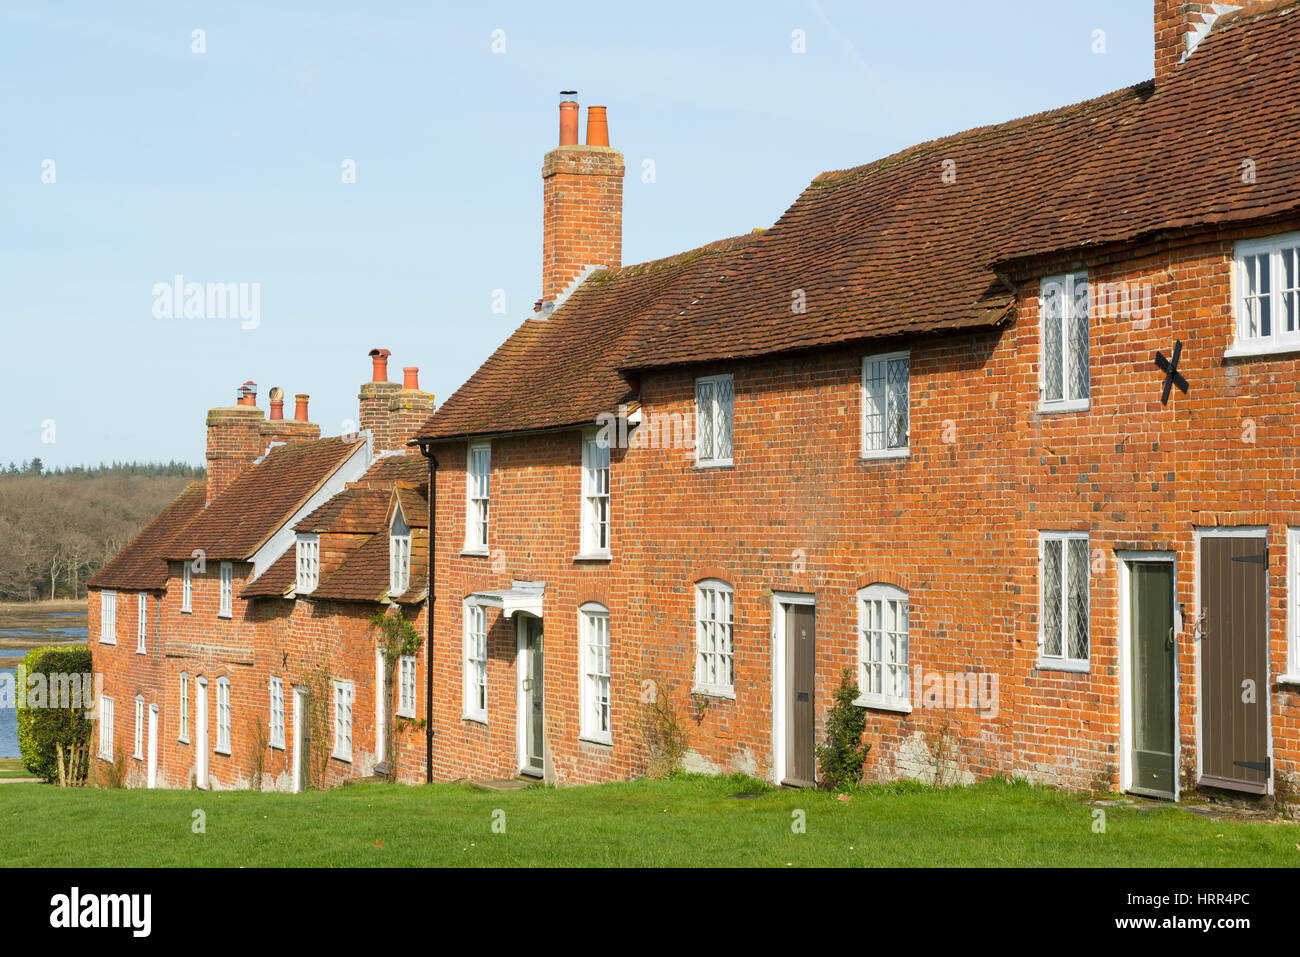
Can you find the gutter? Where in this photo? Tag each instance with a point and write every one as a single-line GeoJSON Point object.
{"type": "Point", "coordinates": [425, 450]}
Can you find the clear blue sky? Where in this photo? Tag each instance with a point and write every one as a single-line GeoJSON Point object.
{"type": "Point", "coordinates": [226, 167]}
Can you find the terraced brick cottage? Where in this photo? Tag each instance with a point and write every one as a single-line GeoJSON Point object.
{"type": "Point", "coordinates": [257, 588]}
{"type": "Point", "coordinates": [1003, 424]}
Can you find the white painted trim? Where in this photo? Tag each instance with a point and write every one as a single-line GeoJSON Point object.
{"type": "Point", "coordinates": [881, 591]}
{"type": "Point", "coordinates": [226, 594]}
{"type": "Point", "coordinates": [351, 688]}
{"type": "Point", "coordinates": [779, 600]}
{"type": "Point", "coordinates": [151, 773]}
{"type": "Point", "coordinates": [353, 467]}
{"type": "Point", "coordinates": [299, 716]}
{"type": "Point", "coordinates": [883, 453]}
{"type": "Point", "coordinates": [1067, 283]}
{"type": "Point", "coordinates": [472, 545]}
{"type": "Point", "coordinates": [1278, 342]}
{"type": "Point", "coordinates": [1229, 531]}
{"type": "Point", "coordinates": [1125, 559]}
{"type": "Point", "coordinates": [587, 610]}
{"type": "Point", "coordinates": [380, 697]}
{"type": "Point", "coordinates": [108, 617]}
{"type": "Point", "coordinates": [468, 713]}
{"type": "Point", "coordinates": [1062, 662]}
{"type": "Point", "coordinates": [522, 666]}
{"type": "Point", "coordinates": [721, 461]}
{"type": "Point", "coordinates": [201, 779]}
{"type": "Point", "coordinates": [1292, 607]}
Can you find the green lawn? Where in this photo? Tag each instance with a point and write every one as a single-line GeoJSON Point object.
{"type": "Point", "coordinates": [687, 821]}
{"type": "Point", "coordinates": [12, 768]}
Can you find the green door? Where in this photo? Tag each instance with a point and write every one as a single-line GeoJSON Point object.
{"type": "Point", "coordinates": [1151, 610]}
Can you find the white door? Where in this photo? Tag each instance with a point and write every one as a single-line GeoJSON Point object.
{"type": "Point", "coordinates": [201, 733]}
{"type": "Point", "coordinates": [299, 739]}
{"type": "Point", "coordinates": [153, 746]}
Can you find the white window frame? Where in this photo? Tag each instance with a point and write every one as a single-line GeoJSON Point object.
{"type": "Point", "coordinates": [139, 728]}
{"type": "Point", "coordinates": [721, 419]}
{"type": "Point", "coordinates": [874, 442]}
{"type": "Point", "coordinates": [874, 615]}
{"type": "Point", "coordinates": [1292, 675]}
{"type": "Point", "coordinates": [223, 716]}
{"type": "Point", "coordinates": [1274, 249]}
{"type": "Point", "coordinates": [187, 587]}
{"type": "Point", "coordinates": [595, 497]}
{"type": "Point", "coordinates": [715, 638]}
{"type": "Point", "coordinates": [141, 621]}
{"type": "Point", "coordinates": [594, 681]}
{"type": "Point", "coordinates": [406, 686]}
{"type": "Point", "coordinates": [226, 606]}
{"type": "Point", "coordinates": [306, 559]}
{"type": "Point", "coordinates": [277, 712]}
{"type": "Point", "coordinates": [1064, 661]}
{"type": "Point", "coordinates": [106, 727]}
{"type": "Point", "coordinates": [108, 617]}
{"type": "Point", "coordinates": [478, 498]}
{"type": "Point", "coordinates": [399, 556]}
{"type": "Point", "coordinates": [1068, 284]}
{"type": "Point", "coordinates": [474, 659]}
{"type": "Point", "coordinates": [344, 713]}
{"type": "Point", "coordinates": [184, 732]}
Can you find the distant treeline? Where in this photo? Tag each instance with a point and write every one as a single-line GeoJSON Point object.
{"type": "Point", "coordinates": [147, 469]}
{"type": "Point", "coordinates": [58, 528]}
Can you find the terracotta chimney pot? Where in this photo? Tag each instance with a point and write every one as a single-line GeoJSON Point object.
{"type": "Point", "coordinates": [411, 378]}
{"type": "Point", "coordinates": [380, 359]}
{"type": "Point", "coordinates": [300, 412]}
{"type": "Point", "coordinates": [597, 126]}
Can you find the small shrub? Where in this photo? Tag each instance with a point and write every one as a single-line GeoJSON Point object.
{"type": "Point", "coordinates": [54, 735]}
{"type": "Point", "coordinates": [113, 775]}
{"type": "Point", "coordinates": [665, 739]}
{"type": "Point", "coordinates": [842, 756]}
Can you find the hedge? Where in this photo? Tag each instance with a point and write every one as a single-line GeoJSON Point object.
{"type": "Point", "coordinates": [42, 729]}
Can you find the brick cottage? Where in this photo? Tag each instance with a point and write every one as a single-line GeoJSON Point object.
{"type": "Point", "coordinates": [1003, 424]}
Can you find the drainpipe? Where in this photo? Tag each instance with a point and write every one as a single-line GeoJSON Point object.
{"type": "Point", "coordinates": [426, 451]}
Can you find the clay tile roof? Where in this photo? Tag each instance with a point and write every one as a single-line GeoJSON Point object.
{"type": "Point", "coordinates": [277, 581]}
{"type": "Point", "coordinates": [896, 248]}
{"type": "Point", "coordinates": [363, 576]}
{"type": "Point", "coordinates": [261, 499]}
{"type": "Point", "coordinates": [142, 565]}
{"type": "Point", "coordinates": [892, 249]}
{"type": "Point", "coordinates": [564, 370]}
{"type": "Point", "coordinates": [410, 469]}
{"type": "Point", "coordinates": [355, 510]}
{"type": "Point", "coordinates": [415, 506]}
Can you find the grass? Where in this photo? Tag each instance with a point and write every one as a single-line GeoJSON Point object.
{"type": "Point", "coordinates": [45, 604]}
{"type": "Point", "coordinates": [688, 821]}
{"type": "Point", "coordinates": [13, 768]}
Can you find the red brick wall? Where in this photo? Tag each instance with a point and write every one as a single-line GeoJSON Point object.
{"type": "Point", "coordinates": [956, 524]}
{"type": "Point", "coordinates": [582, 198]}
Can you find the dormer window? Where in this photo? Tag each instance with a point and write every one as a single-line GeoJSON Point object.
{"type": "Point", "coordinates": [399, 555]}
{"type": "Point", "coordinates": [308, 564]}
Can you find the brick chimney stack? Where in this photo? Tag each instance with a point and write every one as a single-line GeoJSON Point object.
{"type": "Point", "coordinates": [234, 439]}
{"type": "Point", "coordinates": [279, 429]}
{"type": "Point", "coordinates": [393, 413]}
{"type": "Point", "coordinates": [1175, 22]}
{"type": "Point", "coordinates": [238, 435]}
{"type": "Point", "coordinates": [582, 198]}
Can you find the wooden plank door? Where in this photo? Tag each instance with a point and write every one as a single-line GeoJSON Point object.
{"type": "Point", "coordinates": [800, 717]}
{"type": "Point", "coordinates": [1151, 630]}
{"type": "Point", "coordinates": [1234, 664]}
